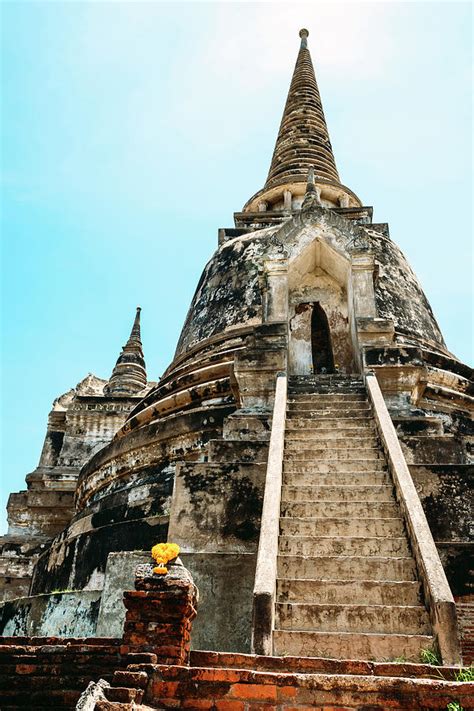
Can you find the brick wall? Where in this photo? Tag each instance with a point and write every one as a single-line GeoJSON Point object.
{"type": "Point", "coordinates": [48, 673]}
{"type": "Point", "coordinates": [465, 610]}
{"type": "Point", "coordinates": [226, 688]}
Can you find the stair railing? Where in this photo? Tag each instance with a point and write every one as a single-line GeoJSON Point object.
{"type": "Point", "coordinates": [263, 614]}
{"type": "Point", "coordinates": [438, 596]}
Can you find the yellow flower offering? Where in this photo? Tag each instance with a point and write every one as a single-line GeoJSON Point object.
{"type": "Point", "coordinates": [162, 553]}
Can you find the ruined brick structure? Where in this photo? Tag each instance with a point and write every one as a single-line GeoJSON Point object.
{"type": "Point", "coordinates": [310, 372]}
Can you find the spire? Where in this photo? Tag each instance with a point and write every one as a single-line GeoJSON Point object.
{"type": "Point", "coordinates": [129, 375]}
{"type": "Point", "coordinates": [303, 138]}
{"type": "Point", "coordinates": [302, 142]}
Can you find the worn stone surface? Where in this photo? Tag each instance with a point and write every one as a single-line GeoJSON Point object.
{"type": "Point", "coordinates": [225, 582]}
{"type": "Point", "coordinates": [94, 693]}
{"type": "Point", "coordinates": [119, 576]}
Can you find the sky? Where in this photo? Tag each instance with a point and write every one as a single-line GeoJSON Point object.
{"type": "Point", "coordinates": [131, 131]}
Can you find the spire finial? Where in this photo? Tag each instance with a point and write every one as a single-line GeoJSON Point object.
{"type": "Point", "coordinates": [304, 33]}
{"type": "Point", "coordinates": [135, 334]}
{"type": "Point", "coordinates": [304, 38]}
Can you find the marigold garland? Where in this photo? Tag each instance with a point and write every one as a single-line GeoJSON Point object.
{"type": "Point", "coordinates": [162, 553]}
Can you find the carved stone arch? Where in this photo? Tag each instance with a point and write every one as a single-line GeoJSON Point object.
{"type": "Point", "coordinates": [319, 281]}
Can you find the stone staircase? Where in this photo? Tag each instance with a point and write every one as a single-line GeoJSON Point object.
{"type": "Point", "coordinates": [347, 583]}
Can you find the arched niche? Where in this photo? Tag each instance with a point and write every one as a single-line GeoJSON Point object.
{"type": "Point", "coordinates": [319, 281]}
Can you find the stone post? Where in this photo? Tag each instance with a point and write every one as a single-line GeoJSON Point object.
{"type": "Point", "coordinates": [160, 612]}
{"type": "Point", "coordinates": [276, 291]}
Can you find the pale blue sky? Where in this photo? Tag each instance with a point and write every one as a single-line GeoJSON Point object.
{"type": "Point", "coordinates": [132, 131]}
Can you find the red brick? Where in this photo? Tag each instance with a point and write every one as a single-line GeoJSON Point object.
{"type": "Point", "coordinates": [198, 704]}
{"type": "Point", "coordinates": [257, 692]}
{"type": "Point", "coordinates": [228, 705]}
{"type": "Point", "coordinates": [286, 692]}
{"type": "Point", "coordinates": [26, 668]}
{"type": "Point", "coordinates": [164, 689]}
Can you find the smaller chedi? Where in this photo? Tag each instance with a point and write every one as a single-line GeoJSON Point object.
{"type": "Point", "coordinates": [80, 423]}
{"type": "Point", "coordinates": [310, 361]}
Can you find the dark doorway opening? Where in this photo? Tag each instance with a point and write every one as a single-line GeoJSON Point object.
{"type": "Point", "coordinates": [323, 359]}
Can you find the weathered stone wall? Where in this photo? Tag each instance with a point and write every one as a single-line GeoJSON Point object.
{"type": "Point", "coordinates": [399, 294]}
{"type": "Point", "coordinates": [228, 293]}
{"type": "Point", "coordinates": [60, 614]}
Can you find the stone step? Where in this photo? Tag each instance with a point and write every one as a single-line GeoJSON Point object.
{"type": "Point", "coordinates": [391, 619]}
{"type": "Point", "coordinates": [354, 401]}
{"type": "Point", "coordinates": [364, 527]}
{"type": "Point", "coordinates": [347, 416]}
{"type": "Point", "coordinates": [325, 435]}
{"type": "Point", "coordinates": [344, 567]}
{"type": "Point", "coordinates": [325, 381]}
{"type": "Point", "coordinates": [322, 397]}
{"type": "Point", "coordinates": [323, 441]}
{"type": "Point", "coordinates": [295, 452]}
{"type": "Point", "coordinates": [337, 424]}
{"type": "Point", "coordinates": [331, 388]}
{"type": "Point", "coordinates": [326, 390]}
{"type": "Point", "coordinates": [336, 406]}
{"type": "Point", "coordinates": [321, 377]}
{"type": "Point", "coordinates": [340, 645]}
{"type": "Point", "coordinates": [339, 466]}
{"type": "Point", "coordinates": [347, 545]}
{"type": "Point", "coordinates": [337, 493]}
{"type": "Point", "coordinates": [369, 592]}
{"type": "Point", "coordinates": [339, 509]}
{"type": "Point", "coordinates": [336, 479]}
{"type": "Point", "coordinates": [332, 383]}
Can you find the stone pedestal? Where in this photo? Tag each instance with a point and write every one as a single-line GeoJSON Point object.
{"type": "Point", "coordinates": [160, 612]}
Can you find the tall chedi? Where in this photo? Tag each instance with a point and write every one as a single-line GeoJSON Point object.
{"type": "Point", "coordinates": [310, 372]}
